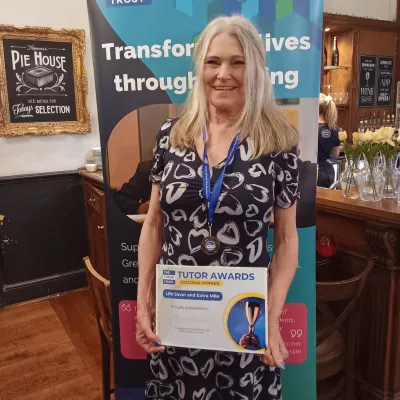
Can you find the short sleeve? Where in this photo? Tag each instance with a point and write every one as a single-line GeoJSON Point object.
{"type": "Point", "coordinates": [336, 141]}
{"type": "Point", "coordinates": [286, 179]}
{"type": "Point", "coordinates": [161, 147]}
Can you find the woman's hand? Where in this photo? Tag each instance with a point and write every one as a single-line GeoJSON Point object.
{"type": "Point", "coordinates": [145, 335]}
{"type": "Point", "coordinates": [276, 353]}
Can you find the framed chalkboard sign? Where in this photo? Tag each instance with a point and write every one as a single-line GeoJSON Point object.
{"type": "Point", "coordinates": [43, 82]}
{"type": "Point", "coordinates": [384, 93]}
{"type": "Point", "coordinates": [367, 81]}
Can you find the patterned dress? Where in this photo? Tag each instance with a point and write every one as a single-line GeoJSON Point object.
{"type": "Point", "coordinates": [251, 189]}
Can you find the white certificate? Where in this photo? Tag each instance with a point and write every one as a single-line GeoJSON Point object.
{"type": "Point", "coordinates": [212, 308]}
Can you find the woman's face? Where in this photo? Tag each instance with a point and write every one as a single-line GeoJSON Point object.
{"type": "Point", "coordinates": [224, 73]}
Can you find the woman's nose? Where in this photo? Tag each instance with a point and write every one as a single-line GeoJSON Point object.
{"type": "Point", "coordinates": [224, 72]}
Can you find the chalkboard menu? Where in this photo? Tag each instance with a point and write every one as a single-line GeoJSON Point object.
{"type": "Point", "coordinates": [367, 81]}
{"type": "Point", "coordinates": [40, 81]}
{"type": "Point", "coordinates": [385, 82]}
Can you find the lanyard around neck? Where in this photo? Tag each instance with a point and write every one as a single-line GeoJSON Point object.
{"type": "Point", "coordinates": [211, 198]}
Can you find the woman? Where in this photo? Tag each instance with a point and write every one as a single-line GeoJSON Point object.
{"type": "Point", "coordinates": [328, 140]}
{"type": "Point", "coordinates": [230, 110]}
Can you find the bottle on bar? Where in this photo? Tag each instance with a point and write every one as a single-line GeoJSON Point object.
{"type": "Point", "coordinates": [370, 123]}
{"type": "Point", "coordinates": [374, 122]}
{"type": "Point", "coordinates": [365, 124]}
{"type": "Point", "coordinates": [378, 122]}
{"type": "Point", "coordinates": [361, 127]}
{"type": "Point", "coordinates": [393, 121]}
{"type": "Point", "coordinates": [384, 119]}
{"type": "Point", "coordinates": [325, 57]}
{"type": "Point", "coordinates": [388, 120]}
{"type": "Point", "coordinates": [335, 53]}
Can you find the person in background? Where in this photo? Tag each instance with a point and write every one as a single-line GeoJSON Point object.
{"type": "Point", "coordinates": [328, 141]}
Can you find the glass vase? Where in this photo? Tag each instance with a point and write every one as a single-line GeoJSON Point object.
{"type": "Point", "coordinates": [371, 181]}
{"type": "Point", "coordinates": [391, 175]}
{"type": "Point", "coordinates": [348, 181]}
{"type": "Point", "coordinates": [396, 175]}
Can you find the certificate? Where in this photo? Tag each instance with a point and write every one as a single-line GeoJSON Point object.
{"type": "Point", "coordinates": [212, 308]}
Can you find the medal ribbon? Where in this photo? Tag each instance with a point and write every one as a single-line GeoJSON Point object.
{"type": "Point", "coordinates": [211, 198]}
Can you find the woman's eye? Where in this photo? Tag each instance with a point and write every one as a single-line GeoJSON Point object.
{"type": "Point", "coordinates": [239, 62]}
{"type": "Point", "coordinates": [212, 62]}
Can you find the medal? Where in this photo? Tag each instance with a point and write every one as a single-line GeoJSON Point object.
{"type": "Point", "coordinates": [210, 244]}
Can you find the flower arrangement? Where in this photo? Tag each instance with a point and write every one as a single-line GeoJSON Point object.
{"type": "Point", "coordinates": [372, 144]}
{"type": "Point", "coordinates": [382, 140]}
{"type": "Point", "coordinates": [349, 184]}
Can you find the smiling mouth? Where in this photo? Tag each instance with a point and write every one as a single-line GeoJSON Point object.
{"type": "Point", "coordinates": [224, 88]}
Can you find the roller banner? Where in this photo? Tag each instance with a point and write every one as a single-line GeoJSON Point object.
{"type": "Point", "coordinates": [142, 54]}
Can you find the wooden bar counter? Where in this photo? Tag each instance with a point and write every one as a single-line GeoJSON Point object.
{"type": "Point", "coordinates": [360, 230]}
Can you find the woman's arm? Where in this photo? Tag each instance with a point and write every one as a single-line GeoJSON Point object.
{"type": "Point", "coordinates": [282, 270]}
{"type": "Point", "coordinates": [335, 151]}
{"type": "Point", "coordinates": [336, 144]}
{"type": "Point", "coordinates": [150, 243]}
{"type": "Point", "coordinates": [284, 261]}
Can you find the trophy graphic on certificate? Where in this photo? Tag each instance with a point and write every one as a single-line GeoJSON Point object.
{"type": "Point", "coordinates": [253, 311]}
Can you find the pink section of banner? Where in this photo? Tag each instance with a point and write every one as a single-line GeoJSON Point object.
{"type": "Point", "coordinates": [127, 325]}
{"type": "Point", "coordinates": [293, 323]}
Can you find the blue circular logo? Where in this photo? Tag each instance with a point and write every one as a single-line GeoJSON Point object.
{"type": "Point", "coordinates": [210, 245]}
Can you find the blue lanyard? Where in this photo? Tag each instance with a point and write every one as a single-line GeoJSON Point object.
{"type": "Point", "coordinates": [211, 198]}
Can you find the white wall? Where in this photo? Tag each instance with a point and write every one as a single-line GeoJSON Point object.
{"type": "Point", "coordinates": [30, 154]}
{"type": "Point", "coordinates": [378, 9]}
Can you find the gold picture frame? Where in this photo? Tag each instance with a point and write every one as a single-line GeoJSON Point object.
{"type": "Point", "coordinates": [50, 85]}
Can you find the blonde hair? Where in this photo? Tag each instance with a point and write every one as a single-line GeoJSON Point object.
{"type": "Point", "coordinates": [261, 118]}
{"type": "Point", "coordinates": [328, 110]}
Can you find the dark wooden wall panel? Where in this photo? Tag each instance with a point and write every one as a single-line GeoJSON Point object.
{"type": "Point", "coordinates": [43, 235]}
{"type": "Point", "coordinates": [359, 234]}
{"type": "Point", "coordinates": [377, 43]}
{"type": "Point", "coordinates": [359, 36]}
